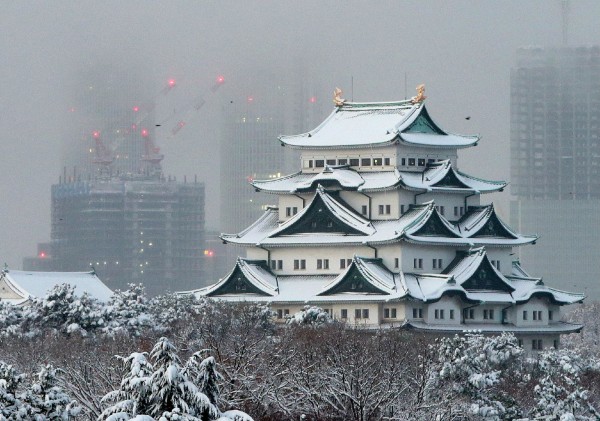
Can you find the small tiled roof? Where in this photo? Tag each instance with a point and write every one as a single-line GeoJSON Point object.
{"type": "Point", "coordinates": [360, 125]}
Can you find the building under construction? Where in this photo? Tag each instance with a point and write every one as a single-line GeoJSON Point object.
{"type": "Point", "coordinates": [119, 214]}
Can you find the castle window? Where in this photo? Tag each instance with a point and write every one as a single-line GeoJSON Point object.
{"type": "Point", "coordinates": [401, 209]}
{"type": "Point", "coordinates": [344, 313]}
{"type": "Point", "coordinates": [377, 162]}
{"type": "Point", "coordinates": [469, 313]}
{"type": "Point", "coordinates": [417, 313]}
{"type": "Point", "coordinates": [421, 162]}
{"type": "Point", "coordinates": [354, 162]}
{"type": "Point", "coordinates": [386, 161]}
{"type": "Point", "coordinates": [365, 313]}
{"type": "Point", "coordinates": [488, 314]}
{"type": "Point", "coordinates": [439, 314]}
{"type": "Point", "coordinates": [537, 344]}
{"type": "Point", "coordinates": [299, 264]}
{"type": "Point", "coordinates": [343, 161]}
{"type": "Point", "coordinates": [365, 162]}
{"type": "Point", "coordinates": [403, 160]}
{"type": "Point", "coordinates": [396, 262]}
{"type": "Point", "coordinates": [550, 315]}
{"type": "Point", "coordinates": [308, 163]}
{"type": "Point", "coordinates": [342, 263]}
{"type": "Point", "coordinates": [437, 263]}
{"type": "Point", "coordinates": [537, 315]}
{"type": "Point", "coordinates": [280, 313]}
{"type": "Point", "coordinates": [524, 314]}
{"type": "Point", "coordinates": [364, 210]}
{"type": "Point", "coordinates": [357, 313]}
{"type": "Point", "coordinates": [556, 344]}
{"type": "Point", "coordinates": [452, 314]}
{"type": "Point", "coordinates": [430, 161]}
{"type": "Point", "coordinates": [319, 163]}
{"type": "Point", "coordinates": [418, 263]}
{"type": "Point", "coordinates": [331, 162]}
{"type": "Point", "coordinates": [411, 162]}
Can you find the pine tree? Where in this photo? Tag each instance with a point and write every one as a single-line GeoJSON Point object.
{"type": "Point", "coordinates": [128, 311]}
{"type": "Point", "coordinates": [11, 406]}
{"type": "Point", "coordinates": [48, 400]}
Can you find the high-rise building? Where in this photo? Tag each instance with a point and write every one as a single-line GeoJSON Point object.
{"type": "Point", "coordinates": [142, 230]}
{"type": "Point", "coordinates": [555, 162]}
{"type": "Point", "coordinates": [381, 229]}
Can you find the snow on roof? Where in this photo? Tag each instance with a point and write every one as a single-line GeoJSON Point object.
{"type": "Point", "coordinates": [254, 271]}
{"type": "Point", "coordinates": [268, 232]}
{"type": "Point", "coordinates": [359, 125]}
{"type": "Point", "coordinates": [346, 178]}
{"type": "Point", "coordinates": [557, 327]}
{"type": "Point", "coordinates": [442, 177]}
{"type": "Point", "coordinates": [36, 284]}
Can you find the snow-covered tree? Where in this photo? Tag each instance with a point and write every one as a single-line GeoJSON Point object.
{"type": "Point", "coordinates": [560, 394]}
{"type": "Point", "coordinates": [134, 396]}
{"type": "Point", "coordinates": [128, 312]}
{"type": "Point", "coordinates": [10, 319]}
{"type": "Point", "coordinates": [11, 406]}
{"type": "Point", "coordinates": [48, 400]}
{"type": "Point", "coordinates": [63, 311]}
{"type": "Point", "coordinates": [203, 372]}
{"type": "Point", "coordinates": [310, 315]}
{"type": "Point", "coordinates": [468, 373]}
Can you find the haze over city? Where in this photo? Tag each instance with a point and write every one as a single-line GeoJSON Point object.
{"type": "Point", "coordinates": [462, 50]}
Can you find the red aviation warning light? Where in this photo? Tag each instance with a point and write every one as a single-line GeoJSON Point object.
{"type": "Point", "coordinates": [171, 83]}
{"type": "Point", "coordinates": [250, 99]}
{"type": "Point", "coordinates": [313, 99]}
{"type": "Point", "coordinates": [42, 254]}
{"type": "Point", "coordinates": [209, 253]}
{"type": "Point", "coordinates": [218, 82]}
{"type": "Point", "coordinates": [145, 133]}
{"type": "Point", "coordinates": [96, 134]}
{"type": "Point", "coordinates": [136, 109]}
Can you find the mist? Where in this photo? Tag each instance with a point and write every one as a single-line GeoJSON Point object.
{"type": "Point", "coordinates": [375, 51]}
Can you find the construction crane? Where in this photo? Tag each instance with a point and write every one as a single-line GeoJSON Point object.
{"type": "Point", "coordinates": [104, 157]}
{"type": "Point", "coordinates": [152, 152]}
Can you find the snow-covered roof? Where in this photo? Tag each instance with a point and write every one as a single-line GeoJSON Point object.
{"type": "Point", "coordinates": [359, 125]}
{"type": "Point", "coordinates": [30, 284]}
{"type": "Point", "coordinates": [471, 276]}
{"type": "Point", "coordinates": [557, 327]}
{"type": "Point", "coordinates": [329, 221]}
{"type": "Point", "coordinates": [441, 177]}
{"type": "Point", "coordinates": [437, 177]}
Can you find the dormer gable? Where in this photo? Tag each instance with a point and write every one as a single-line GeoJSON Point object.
{"type": "Point", "coordinates": [364, 276]}
{"type": "Point", "coordinates": [324, 214]}
{"type": "Point", "coordinates": [483, 221]}
{"type": "Point", "coordinates": [474, 272]}
{"type": "Point", "coordinates": [435, 226]}
{"type": "Point", "coordinates": [423, 124]}
{"type": "Point", "coordinates": [247, 277]}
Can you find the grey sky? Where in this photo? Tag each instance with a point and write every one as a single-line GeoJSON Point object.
{"type": "Point", "coordinates": [462, 50]}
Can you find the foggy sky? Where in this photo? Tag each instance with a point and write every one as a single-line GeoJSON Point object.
{"type": "Point", "coordinates": [462, 50]}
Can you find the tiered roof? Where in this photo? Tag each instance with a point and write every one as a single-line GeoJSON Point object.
{"type": "Point", "coordinates": [438, 177]}
{"type": "Point", "coordinates": [359, 125]}
{"type": "Point", "coordinates": [471, 276]}
{"type": "Point", "coordinates": [327, 220]}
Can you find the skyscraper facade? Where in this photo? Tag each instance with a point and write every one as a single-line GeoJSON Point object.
{"type": "Point", "coordinates": [555, 161]}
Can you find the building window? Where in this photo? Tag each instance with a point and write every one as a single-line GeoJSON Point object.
{"type": "Point", "coordinates": [365, 313]}
{"type": "Point", "coordinates": [308, 163]}
{"type": "Point", "coordinates": [556, 343]}
{"type": "Point", "coordinates": [524, 314]}
{"type": "Point", "coordinates": [550, 315]}
{"type": "Point", "coordinates": [417, 313]}
{"type": "Point", "coordinates": [364, 210]}
{"type": "Point", "coordinates": [385, 209]}
{"type": "Point", "coordinates": [403, 160]}
{"type": "Point", "coordinates": [380, 209]}
{"type": "Point", "coordinates": [291, 211]}
{"type": "Point", "coordinates": [365, 162]}
{"type": "Point", "coordinates": [520, 342]}
{"type": "Point", "coordinates": [319, 163]}
{"type": "Point", "coordinates": [537, 315]}
{"type": "Point", "coordinates": [537, 344]}
{"type": "Point", "coordinates": [354, 162]}
{"type": "Point", "coordinates": [322, 263]}
{"type": "Point", "coordinates": [343, 161]}
{"type": "Point", "coordinates": [430, 161]}
{"type": "Point", "coordinates": [452, 314]}
{"type": "Point", "coordinates": [411, 162]}
{"type": "Point", "coordinates": [496, 264]}
{"type": "Point", "coordinates": [386, 161]}
{"type": "Point", "coordinates": [286, 311]}
{"type": "Point", "coordinates": [401, 209]}
{"type": "Point", "coordinates": [389, 313]}
{"type": "Point", "coordinates": [396, 262]}
{"type": "Point", "coordinates": [421, 162]}
{"type": "Point", "coordinates": [418, 263]}
{"type": "Point", "coordinates": [280, 313]}
{"type": "Point", "coordinates": [455, 210]}
{"type": "Point", "coordinates": [357, 313]}
{"type": "Point", "coordinates": [440, 209]}
{"type": "Point", "coordinates": [488, 314]}
{"type": "Point", "coordinates": [299, 264]}
{"type": "Point", "coordinates": [377, 162]}
{"type": "Point", "coordinates": [437, 263]}
{"type": "Point", "coordinates": [330, 162]}
{"type": "Point", "coordinates": [294, 210]}
{"type": "Point", "coordinates": [344, 313]}
{"type": "Point", "coordinates": [273, 264]}
{"type": "Point", "coordinates": [342, 263]}
{"type": "Point", "coordinates": [469, 313]}
{"type": "Point", "coordinates": [439, 314]}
